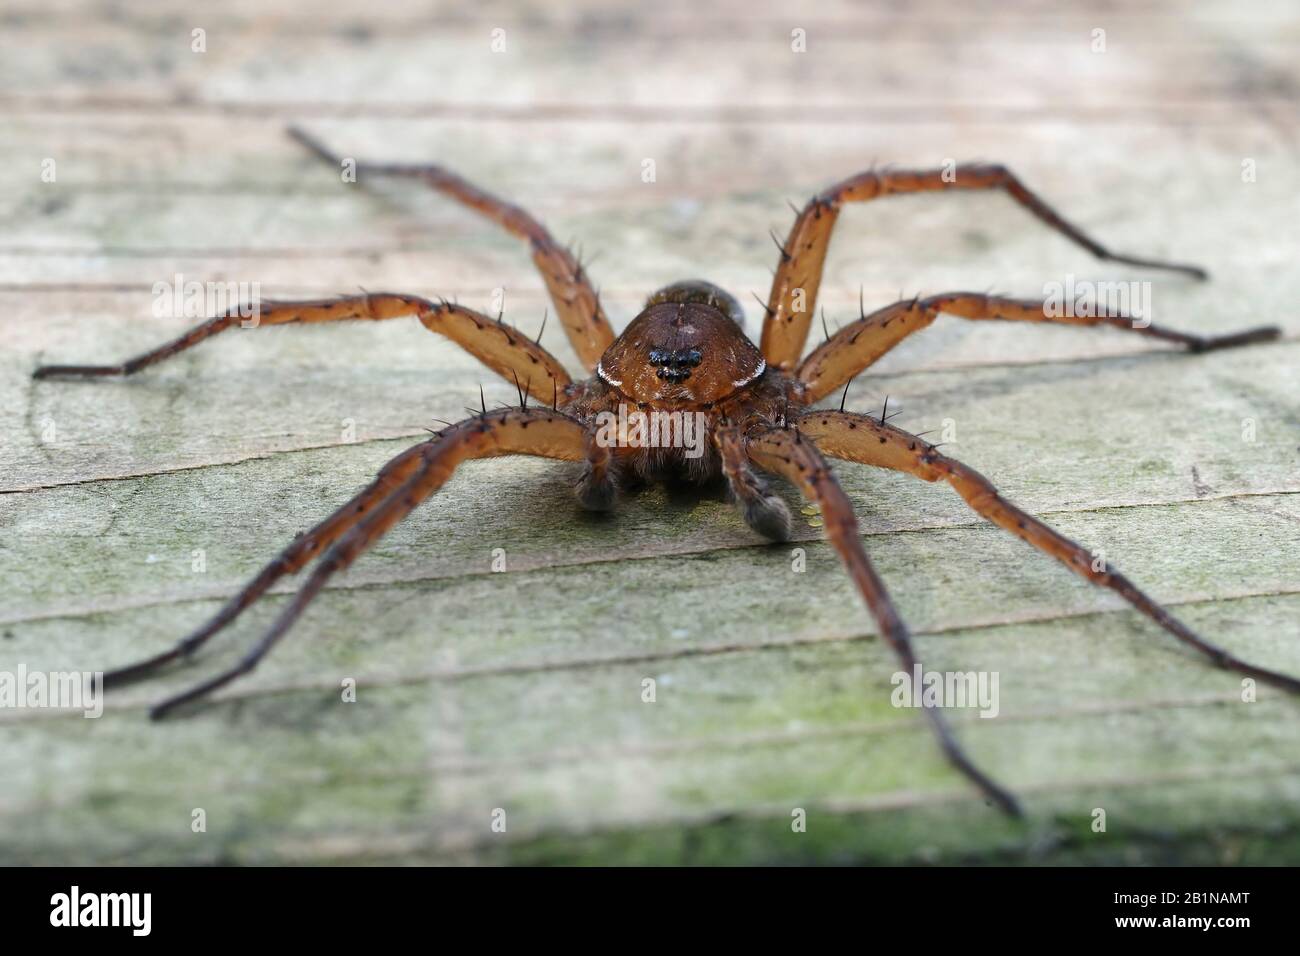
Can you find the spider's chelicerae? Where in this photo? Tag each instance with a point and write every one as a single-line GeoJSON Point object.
{"type": "Point", "coordinates": [685, 359]}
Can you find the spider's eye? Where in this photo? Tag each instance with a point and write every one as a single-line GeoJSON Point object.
{"type": "Point", "coordinates": [675, 364]}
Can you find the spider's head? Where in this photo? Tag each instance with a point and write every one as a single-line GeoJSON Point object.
{"type": "Point", "coordinates": [688, 347]}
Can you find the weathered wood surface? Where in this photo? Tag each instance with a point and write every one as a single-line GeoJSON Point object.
{"type": "Point", "coordinates": [523, 690]}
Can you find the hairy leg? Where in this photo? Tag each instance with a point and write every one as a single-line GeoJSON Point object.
{"type": "Point", "coordinates": [404, 483]}
{"type": "Point", "coordinates": [495, 344]}
{"type": "Point", "coordinates": [859, 344]}
{"type": "Point", "coordinates": [864, 439]}
{"type": "Point", "coordinates": [566, 280]}
{"type": "Point", "coordinates": [803, 255]}
{"type": "Point", "coordinates": [291, 560]}
{"type": "Point", "coordinates": [786, 452]}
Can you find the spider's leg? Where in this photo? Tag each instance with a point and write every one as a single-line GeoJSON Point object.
{"type": "Point", "coordinates": [863, 439]}
{"type": "Point", "coordinates": [291, 560]}
{"type": "Point", "coordinates": [566, 279]}
{"type": "Point", "coordinates": [250, 315]}
{"type": "Point", "coordinates": [786, 452]}
{"type": "Point", "coordinates": [859, 344]}
{"type": "Point", "coordinates": [803, 255]}
{"type": "Point", "coordinates": [763, 511]}
{"type": "Point", "coordinates": [495, 344]}
{"type": "Point", "coordinates": [512, 431]}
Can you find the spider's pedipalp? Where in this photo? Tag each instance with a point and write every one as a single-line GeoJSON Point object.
{"type": "Point", "coordinates": [762, 510]}
{"type": "Point", "coordinates": [599, 485]}
{"type": "Point", "coordinates": [785, 452]}
{"type": "Point", "coordinates": [861, 438]}
{"type": "Point", "coordinates": [597, 490]}
{"type": "Point", "coordinates": [769, 516]}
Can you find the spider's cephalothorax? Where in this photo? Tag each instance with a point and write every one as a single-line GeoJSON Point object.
{"type": "Point", "coordinates": [683, 390]}
{"type": "Point", "coordinates": [682, 369]}
{"type": "Point", "coordinates": [687, 348]}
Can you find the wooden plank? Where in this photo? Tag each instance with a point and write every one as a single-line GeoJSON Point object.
{"type": "Point", "coordinates": [522, 690]}
{"type": "Point", "coordinates": [1045, 63]}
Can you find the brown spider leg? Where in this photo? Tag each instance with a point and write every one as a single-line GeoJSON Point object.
{"type": "Point", "coordinates": [803, 256]}
{"type": "Point", "coordinates": [863, 439]}
{"type": "Point", "coordinates": [786, 452]}
{"type": "Point", "coordinates": [859, 344]}
{"type": "Point", "coordinates": [291, 560]}
{"type": "Point", "coordinates": [576, 301]}
{"type": "Point", "coordinates": [495, 344]}
{"type": "Point", "coordinates": [513, 431]}
{"type": "Point", "coordinates": [595, 492]}
{"type": "Point", "coordinates": [762, 510]}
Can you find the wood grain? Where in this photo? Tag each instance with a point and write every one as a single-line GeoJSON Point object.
{"type": "Point", "coordinates": [522, 691]}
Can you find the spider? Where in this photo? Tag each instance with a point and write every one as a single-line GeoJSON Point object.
{"type": "Point", "coordinates": [685, 354]}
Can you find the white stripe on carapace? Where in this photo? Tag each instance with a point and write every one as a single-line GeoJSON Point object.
{"type": "Point", "coordinates": [600, 370]}
{"type": "Point", "coordinates": [762, 367]}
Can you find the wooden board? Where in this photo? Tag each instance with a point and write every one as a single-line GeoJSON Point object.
{"type": "Point", "coordinates": [522, 691]}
